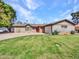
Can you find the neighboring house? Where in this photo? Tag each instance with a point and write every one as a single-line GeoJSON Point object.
{"type": "Point", "coordinates": [77, 28]}
{"type": "Point", "coordinates": [18, 28]}
{"type": "Point", "coordinates": [60, 26]}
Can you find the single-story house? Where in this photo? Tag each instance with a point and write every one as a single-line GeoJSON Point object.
{"type": "Point", "coordinates": [60, 26]}
{"type": "Point", "coordinates": [17, 28]}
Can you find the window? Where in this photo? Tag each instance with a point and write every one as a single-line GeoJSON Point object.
{"type": "Point", "coordinates": [27, 28]}
{"type": "Point", "coordinates": [64, 26]}
{"type": "Point", "coordinates": [33, 27]}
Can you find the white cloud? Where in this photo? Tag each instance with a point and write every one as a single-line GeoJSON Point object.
{"type": "Point", "coordinates": [70, 2]}
{"type": "Point", "coordinates": [21, 10]}
{"type": "Point", "coordinates": [31, 4]}
{"type": "Point", "coordinates": [75, 1]}
{"type": "Point", "coordinates": [69, 17]}
{"type": "Point", "coordinates": [11, 1]}
{"type": "Point", "coordinates": [76, 8]}
{"type": "Point", "coordinates": [24, 14]}
{"type": "Point", "coordinates": [65, 13]}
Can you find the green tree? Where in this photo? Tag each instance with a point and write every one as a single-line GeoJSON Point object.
{"type": "Point", "coordinates": [7, 14]}
{"type": "Point", "coordinates": [75, 17]}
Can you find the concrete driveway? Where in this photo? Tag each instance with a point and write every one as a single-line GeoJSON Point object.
{"type": "Point", "coordinates": [13, 35]}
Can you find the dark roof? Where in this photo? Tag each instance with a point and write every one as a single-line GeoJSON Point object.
{"type": "Point", "coordinates": [23, 25]}
{"type": "Point", "coordinates": [19, 25]}
{"type": "Point", "coordinates": [35, 25]}
{"type": "Point", "coordinates": [61, 21]}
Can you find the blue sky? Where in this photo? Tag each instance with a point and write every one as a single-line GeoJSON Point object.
{"type": "Point", "coordinates": [43, 11]}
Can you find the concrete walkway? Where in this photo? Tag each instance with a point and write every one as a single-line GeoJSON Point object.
{"type": "Point", "coordinates": [13, 35]}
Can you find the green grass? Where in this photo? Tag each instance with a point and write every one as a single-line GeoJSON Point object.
{"type": "Point", "coordinates": [40, 47]}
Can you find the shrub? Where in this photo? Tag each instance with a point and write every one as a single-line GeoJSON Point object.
{"type": "Point", "coordinates": [72, 32]}
{"type": "Point", "coordinates": [55, 32]}
{"type": "Point", "coordinates": [52, 33]}
{"type": "Point", "coordinates": [77, 31]}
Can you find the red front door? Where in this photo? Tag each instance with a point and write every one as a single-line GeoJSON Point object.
{"type": "Point", "coordinates": [37, 29]}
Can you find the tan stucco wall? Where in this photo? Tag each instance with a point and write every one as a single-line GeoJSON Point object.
{"type": "Point", "coordinates": [33, 30]}
{"type": "Point", "coordinates": [23, 29]}
{"type": "Point", "coordinates": [58, 27]}
{"type": "Point", "coordinates": [47, 29]}
{"type": "Point", "coordinates": [19, 29]}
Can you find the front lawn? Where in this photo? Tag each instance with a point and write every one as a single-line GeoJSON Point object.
{"type": "Point", "coordinates": [40, 47]}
